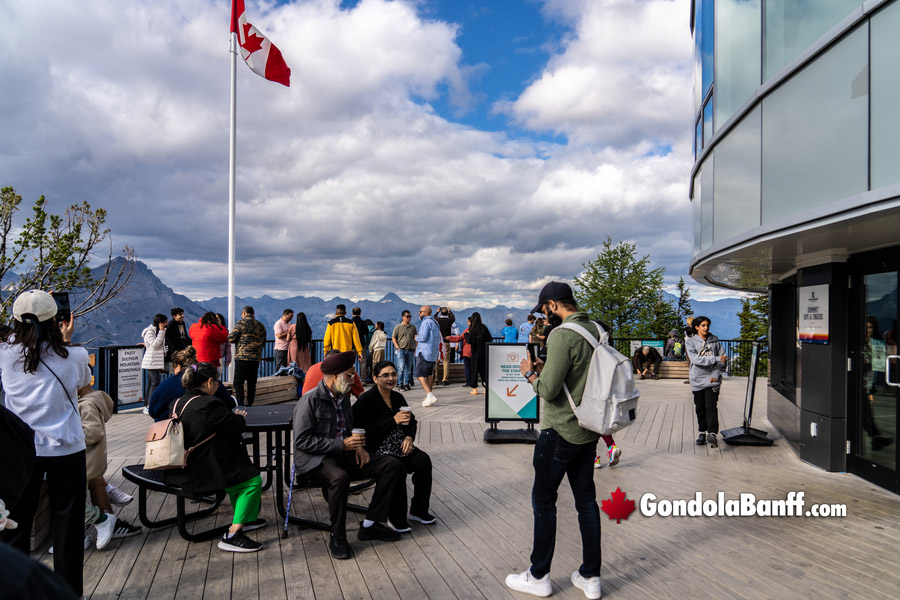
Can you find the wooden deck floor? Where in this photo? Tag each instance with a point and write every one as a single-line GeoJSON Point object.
{"type": "Point", "coordinates": [482, 501]}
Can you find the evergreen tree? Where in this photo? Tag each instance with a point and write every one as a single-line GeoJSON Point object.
{"type": "Point", "coordinates": [620, 289]}
{"type": "Point", "coordinates": [754, 318]}
{"type": "Point", "coordinates": [683, 307]}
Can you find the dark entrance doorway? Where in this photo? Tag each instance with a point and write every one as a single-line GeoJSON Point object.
{"type": "Point", "coordinates": [875, 372]}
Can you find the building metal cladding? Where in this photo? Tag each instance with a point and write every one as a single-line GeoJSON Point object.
{"type": "Point", "coordinates": [795, 191]}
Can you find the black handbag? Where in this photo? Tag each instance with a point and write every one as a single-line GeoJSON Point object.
{"type": "Point", "coordinates": [17, 450]}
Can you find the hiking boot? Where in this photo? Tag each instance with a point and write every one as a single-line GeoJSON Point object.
{"type": "Point", "coordinates": [701, 440]}
{"type": "Point", "coordinates": [340, 549]}
{"type": "Point", "coordinates": [424, 518]}
{"type": "Point", "coordinates": [377, 531]}
{"type": "Point", "coordinates": [613, 454]}
{"type": "Point", "coordinates": [529, 584]}
{"type": "Point", "coordinates": [589, 585]}
{"type": "Point", "coordinates": [713, 441]}
{"type": "Point", "coordinates": [125, 529]}
{"type": "Point", "coordinates": [117, 496]}
{"type": "Point", "coordinates": [238, 543]}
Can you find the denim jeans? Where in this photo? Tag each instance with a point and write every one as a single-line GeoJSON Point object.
{"type": "Point", "coordinates": [405, 363]}
{"type": "Point", "coordinates": [554, 458]}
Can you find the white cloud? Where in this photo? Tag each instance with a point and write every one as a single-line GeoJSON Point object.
{"type": "Point", "coordinates": [348, 182]}
{"type": "Point", "coordinates": [623, 76]}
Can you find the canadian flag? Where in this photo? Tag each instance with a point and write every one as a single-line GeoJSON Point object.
{"type": "Point", "coordinates": [259, 53]}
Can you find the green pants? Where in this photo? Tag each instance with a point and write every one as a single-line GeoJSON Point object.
{"type": "Point", "coordinates": [245, 499]}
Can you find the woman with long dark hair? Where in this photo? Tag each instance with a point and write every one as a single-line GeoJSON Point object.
{"type": "Point", "coordinates": [219, 460]}
{"type": "Point", "coordinates": [299, 338]}
{"type": "Point", "coordinates": [479, 337]}
{"type": "Point", "coordinates": [207, 337]}
{"type": "Point", "coordinates": [42, 377]}
{"type": "Point", "coordinates": [707, 364]}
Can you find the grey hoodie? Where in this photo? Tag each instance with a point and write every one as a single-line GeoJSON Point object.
{"type": "Point", "coordinates": [706, 361]}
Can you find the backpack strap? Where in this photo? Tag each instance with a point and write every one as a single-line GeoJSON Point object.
{"type": "Point", "coordinates": [178, 416]}
{"type": "Point", "coordinates": [591, 340]}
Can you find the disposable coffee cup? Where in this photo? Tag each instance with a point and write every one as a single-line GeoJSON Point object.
{"type": "Point", "coordinates": [358, 431]}
{"type": "Point", "coordinates": [405, 409]}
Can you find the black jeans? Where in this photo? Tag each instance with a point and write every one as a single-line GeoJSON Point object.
{"type": "Point", "coordinates": [153, 379]}
{"type": "Point", "coordinates": [245, 370]}
{"type": "Point", "coordinates": [335, 474]}
{"type": "Point", "coordinates": [706, 403]}
{"type": "Point", "coordinates": [418, 463]}
{"type": "Point", "coordinates": [554, 458]}
{"type": "Point", "coordinates": [67, 487]}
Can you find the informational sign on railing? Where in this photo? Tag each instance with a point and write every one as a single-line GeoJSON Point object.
{"type": "Point", "coordinates": [509, 396]}
{"type": "Point", "coordinates": [129, 375]}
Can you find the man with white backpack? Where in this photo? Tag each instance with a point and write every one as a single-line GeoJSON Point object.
{"type": "Point", "coordinates": [564, 447]}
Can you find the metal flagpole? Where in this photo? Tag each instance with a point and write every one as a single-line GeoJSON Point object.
{"type": "Point", "coordinates": [231, 185]}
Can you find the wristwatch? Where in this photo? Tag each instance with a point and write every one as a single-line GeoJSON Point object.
{"type": "Point", "coordinates": [529, 373]}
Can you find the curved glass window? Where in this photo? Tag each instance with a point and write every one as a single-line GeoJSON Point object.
{"type": "Point", "coordinates": [738, 54]}
{"type": "Point", "coordinates": [885, 48]}
{"type": "Point", "coordinates": [815, 132]}
{"type": "Point", "coordinates": [704, 39]}
{"type": "Point", "coordinates": [792, 25]}
{"type": "Point", "coordinates": [706, 204]}
{"type": "Point", "coordinates": [696, 200]}
{"type": "Point", "coordinates": [737, 183]}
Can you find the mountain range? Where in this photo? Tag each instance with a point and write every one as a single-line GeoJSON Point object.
{"type": "Point", "coordinates": [121, 322]}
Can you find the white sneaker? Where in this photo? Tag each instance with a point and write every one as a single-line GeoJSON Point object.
{"type": "Point", "coordinates": [117, 496]}
{"type": "Point", "coordinates": [429, 400]}
{"type": "Point", "coordinates": [589, 585]}
{"type": "Point", "coordinates": [90, 535]}
{"type": "Point", "coordinates": [146, 411]}
{"type": "Point", "coordinates": [105, 531]}
{"type": "Point", "coordinates": [528, 583]}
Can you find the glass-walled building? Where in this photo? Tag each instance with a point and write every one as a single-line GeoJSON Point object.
{"type": "Point", "coordinates": [795, 191]}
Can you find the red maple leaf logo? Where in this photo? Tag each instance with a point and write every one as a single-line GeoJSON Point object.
{"type": "Point", "coordinates": [618, 507]}
{"type": "Point", "coordinates": [252, 43]}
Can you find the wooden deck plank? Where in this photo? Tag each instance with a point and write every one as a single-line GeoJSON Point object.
{"type": "Point", "coordinates": [482, 500]}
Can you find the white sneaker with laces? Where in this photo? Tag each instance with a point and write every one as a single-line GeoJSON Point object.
{"type": "Point", "coordinates": [429, 399]}
{"type": "Point", "coordinates": [105, 531]}
{"type": "Point", "coordinates": [529, 584]}
{"type": "Point", "coordinates": [146, 411]}
{"type": "Point", "coordinates": [117, 496]}
{"type": "Point", "coordinates": [589, 585]}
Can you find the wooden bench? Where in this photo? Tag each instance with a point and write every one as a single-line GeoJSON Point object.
{"type": "Point", "coordinates": [674, 369]}
{"type": "Point", "coordinates": [272, 390]}
{"type": "Point", "coordinates": [153, 481]}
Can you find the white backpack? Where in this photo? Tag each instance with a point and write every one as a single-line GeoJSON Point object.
{"type": "Point", "coordinates": [610, 399]}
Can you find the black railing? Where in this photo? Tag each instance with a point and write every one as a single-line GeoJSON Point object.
{"type": "Point", "coordinates": [106, 370]}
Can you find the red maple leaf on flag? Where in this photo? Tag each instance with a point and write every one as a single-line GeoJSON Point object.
{"type": "Point", "coordinates": [618, 507]}
{"type": "Point", "coordinates": [252, 43]}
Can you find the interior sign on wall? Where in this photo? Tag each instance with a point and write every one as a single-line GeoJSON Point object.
{"type": "Point", "coordinates": [813, 314]}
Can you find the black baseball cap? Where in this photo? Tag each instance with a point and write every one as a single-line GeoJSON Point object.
{"type": "Point", "coordinates": [555, 290]}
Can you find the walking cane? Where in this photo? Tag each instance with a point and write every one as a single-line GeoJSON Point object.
{"type": "Point", "coordinates": [287, 513]}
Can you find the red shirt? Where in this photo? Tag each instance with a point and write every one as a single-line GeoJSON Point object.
{"type": "Point", "coordinates": [206, 340]}
{"type": "Point", "coordinates": [314, 376]}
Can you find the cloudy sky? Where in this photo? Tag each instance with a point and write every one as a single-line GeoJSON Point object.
{"type": "Point", "coordinates": [438, 149]}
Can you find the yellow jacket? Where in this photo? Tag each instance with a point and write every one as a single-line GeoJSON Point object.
{"type": "Point", "coordinates": [342, 335]}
